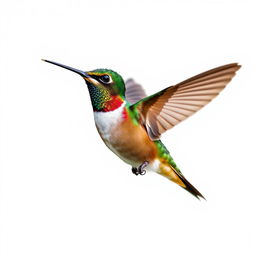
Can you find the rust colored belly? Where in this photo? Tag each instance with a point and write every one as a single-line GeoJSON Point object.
{"type": "Point", "coordinates": [131, 143]}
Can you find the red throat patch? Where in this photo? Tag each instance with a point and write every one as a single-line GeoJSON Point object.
{"type": "Point", "coordinates": [113, 104]}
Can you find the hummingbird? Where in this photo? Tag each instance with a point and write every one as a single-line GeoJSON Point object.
{"type": "Point", "coordinates": [131, 123]}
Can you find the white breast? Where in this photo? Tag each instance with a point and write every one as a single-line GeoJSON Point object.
{"type": "Point", "coordinates": [105, 121]}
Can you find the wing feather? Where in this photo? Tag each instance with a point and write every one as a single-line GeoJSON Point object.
{"type": "Point", "coordinates": [174, 104]}
{"type": "Point", "coordinates": [134, 91]}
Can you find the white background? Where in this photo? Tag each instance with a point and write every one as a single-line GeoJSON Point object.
{"type": "Point", "coordinates": [62, 191]}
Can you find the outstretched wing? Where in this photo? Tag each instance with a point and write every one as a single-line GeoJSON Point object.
{"type": "Point", "coordinates": [165, 109]}
{"type": "Point", "coordinates": [133, 91]}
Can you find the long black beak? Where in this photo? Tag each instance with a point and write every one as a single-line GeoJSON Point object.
{"type": "Point", "coordinates": [80, 72]}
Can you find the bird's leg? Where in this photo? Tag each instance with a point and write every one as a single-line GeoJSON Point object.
{"type": "Point", "coordinates": [140, 170]}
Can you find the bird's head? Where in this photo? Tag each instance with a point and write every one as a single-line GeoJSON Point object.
{"type": "Point", "coordinates": [106, 87]}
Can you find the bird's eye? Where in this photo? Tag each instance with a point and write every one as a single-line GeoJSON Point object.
{"type": "Point", "coordinates": [105, 79]}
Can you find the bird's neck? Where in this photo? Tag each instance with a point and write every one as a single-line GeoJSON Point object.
{"type": "Point", "coordinates": [103, 101]}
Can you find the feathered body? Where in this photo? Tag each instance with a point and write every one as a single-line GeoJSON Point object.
{"type": "Point", "coordinates": [130, 123]}
{"type": "Point", "coordinates": [129, 140]}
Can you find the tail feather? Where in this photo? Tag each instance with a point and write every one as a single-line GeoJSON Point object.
{"type": "Point", "coordinates": [191, 189]}
{"type": "Point", "coordinates": [176, 176]}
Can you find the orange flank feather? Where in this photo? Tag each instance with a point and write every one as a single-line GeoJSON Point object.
{"type": "Point", "coordinates": [132, 142]}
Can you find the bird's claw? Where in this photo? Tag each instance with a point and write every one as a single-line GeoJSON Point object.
{"type": "Point", "coordinates": [140, 170]}
{"type": "Point", "coordinates": [137, 171]}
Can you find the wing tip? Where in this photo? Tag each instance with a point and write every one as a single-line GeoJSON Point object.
{"type": "Point", "coordinates": [129, 80]}
{"type": "Point", "coordinates": [236, 64]}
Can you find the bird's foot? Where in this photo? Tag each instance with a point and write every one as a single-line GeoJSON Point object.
{"type": "Point", "coordinates": [140, 170]}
